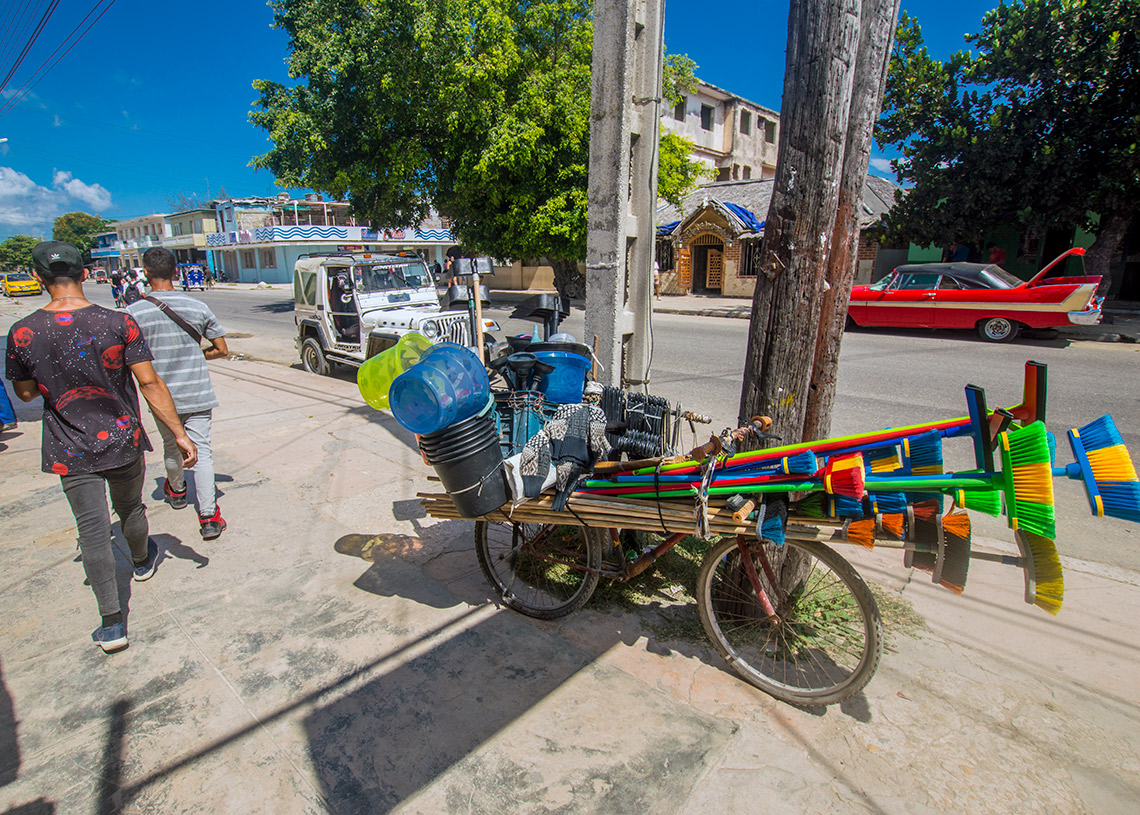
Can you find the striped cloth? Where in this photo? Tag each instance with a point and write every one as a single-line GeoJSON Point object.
{"type": "Point", "coordinates": [177, 359]}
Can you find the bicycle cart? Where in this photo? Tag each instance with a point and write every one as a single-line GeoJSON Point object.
{"type": "Point", "coordinates": [794, 619]}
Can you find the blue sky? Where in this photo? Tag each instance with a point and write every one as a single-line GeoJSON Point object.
{"type": "Point", "coordinates": [153, 99]}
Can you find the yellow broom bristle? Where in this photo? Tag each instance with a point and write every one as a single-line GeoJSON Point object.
{"type": "Point", "coordinates": [1033, 483]}
{"type": "Point", "coordinates": [893, 525]}
{"type": "Point", "coordinates": [885, 465]}
{"type": "Point", "coordinates": [1049, 582]}
{"type": "Point", "coordinates": [862, 533]}
{"type": "Point", "coordinates": [1111, 464]}
{"type": "Point", "coordinates": [957, 523]}
{"type": "Point", "coordinates": [928, 469]}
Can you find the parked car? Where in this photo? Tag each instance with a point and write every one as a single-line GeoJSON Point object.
{"type": "Point", "coordinates": [351, 306]}
{"type": "Point", "coordinates": [982, 296]}
{"type": "Point", "coordinates": [17, 283]}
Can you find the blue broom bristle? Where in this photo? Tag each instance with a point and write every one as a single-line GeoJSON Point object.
{"type": "Point", "coordinates": [1121, 499]}
{"type": "Point", "coordinates": [773, 530]}
{"type": "Point", "coordinates": [1101, 433]}
{"type": "Point", "coordinates": [925, 450]}
{"type": "Point", "coordinates": [889, 502]}
{"type": "Point", "coordinates": [882, 459]}
{"type": "Point", "coordinates": [844, 507]}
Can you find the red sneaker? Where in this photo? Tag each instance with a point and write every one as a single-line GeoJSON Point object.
{"type": "Point", "coordinates": [213, 526]}
{"type": "Point", "coordinates": [177, 500]}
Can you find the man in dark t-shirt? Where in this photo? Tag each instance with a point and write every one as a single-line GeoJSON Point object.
{"type": "Point", "coordinates": [84, 360]}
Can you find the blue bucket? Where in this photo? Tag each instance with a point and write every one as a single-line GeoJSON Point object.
{"type": "Point", "coordinates": [563, 385]}
{"type": "Point", "coordinates": [446, 386]}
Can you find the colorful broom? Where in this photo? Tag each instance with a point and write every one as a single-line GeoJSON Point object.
{"type": "Point", "coordinates": [1103, 463]}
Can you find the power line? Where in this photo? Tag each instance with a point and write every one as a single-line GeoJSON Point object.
{"type": "Point", "coordinates": [28, 86]}
{"type": "Point", "coordinates": [35, 35]}
{"type": "Point", "coordinates": [16, 29]}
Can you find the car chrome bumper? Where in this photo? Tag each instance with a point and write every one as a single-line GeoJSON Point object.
{"type": "Point", "coordinates": [1088, 317]}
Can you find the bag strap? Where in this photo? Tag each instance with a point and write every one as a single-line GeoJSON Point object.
{"type": "Point", "coordinates": [173, 315]}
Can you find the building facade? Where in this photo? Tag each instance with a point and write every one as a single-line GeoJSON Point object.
{"type": "Point", "coordinates": [711, 245]}
{"type": "Point", "coordinates": [136, 235]}
{"type": "Point", "coordinates": [187, 233]}
{"type": "Point", "coordinates": [735, 138]}
{"type": "Point", "coordinates": [259, 239]}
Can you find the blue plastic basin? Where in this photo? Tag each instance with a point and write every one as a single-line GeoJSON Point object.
{"type": "Point", "coordinates": [563, 385]}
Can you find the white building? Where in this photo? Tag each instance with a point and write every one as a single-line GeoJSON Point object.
{"type": "Point", "coordinates": [732, 136]}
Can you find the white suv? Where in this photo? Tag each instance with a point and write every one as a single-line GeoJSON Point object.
{"type": "Point", "coordinates": [351, 306]}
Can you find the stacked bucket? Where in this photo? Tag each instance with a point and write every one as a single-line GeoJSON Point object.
{"type": "Point", "coordinates": [442, 394]}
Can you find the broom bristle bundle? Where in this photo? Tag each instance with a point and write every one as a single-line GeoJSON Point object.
{"type": "Point", "coordinates": [1111, 463]}
{"type": "Point", "coordinates": [773, 530]}
{"type": "Point", "coordinates": [955, 561]}
{"type": "Point", "coordinates": [1100, 433]}
{"type": "Point", "coordinates": [888, 502]}
{"type": "Point", "coordinates": [862, 533]}
{"type": "Point", "coordinates": [1049, 582]}
{"type": "Point", "coordinates": [844, 507]}
{"type": "Point", "coordinates": [883, 459]}
{"type": "Point", "coordinates": [984, 501]}
{"type": "Point", "coordinates": [957, 523]}
{"type": "Point", "coordinates": [812, 506]}
{"type": "Point", "coordinates": [923, 560]}
{"type": "Point", "coordinates": [893, 525]}
{"type": "Point", "coordinates": [804, 463]}
{"type": "Point", "coordinates": [926, 510]}
{"type": "Point", "coordinates": [1121, 500]}
{"type": "Point", "coordinates": [844, 476]}
{"type": "Point", "coordinates": [1030, 478]}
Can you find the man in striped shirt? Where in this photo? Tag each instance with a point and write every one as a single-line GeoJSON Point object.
{"type": "Point", "coordinates": [181, 362]}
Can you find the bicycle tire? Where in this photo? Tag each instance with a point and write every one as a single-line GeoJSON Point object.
{"type": "Point", "coordinates": [828, 642]}
{"type": "Point", "coordinates": [541, 570]}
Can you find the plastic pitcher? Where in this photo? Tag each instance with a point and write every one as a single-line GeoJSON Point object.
{"type": "Point", "coordinates": [375, 376]}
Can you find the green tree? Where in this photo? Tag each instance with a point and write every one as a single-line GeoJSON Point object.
{"type": "Point", "coordinates": [16, 251]}
{"type": "Point", "coordinates": [79, 229]}
{"type": "Point", "coordinates": [478, 107]}
{"type": "Point", "coordinates": [1039, 128]}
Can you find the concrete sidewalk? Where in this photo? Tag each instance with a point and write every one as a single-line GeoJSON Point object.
{"type": "Point", "coordinates": [288, 667]}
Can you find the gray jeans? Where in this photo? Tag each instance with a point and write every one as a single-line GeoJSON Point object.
{"type": "Point", "coordinates": [87, 494]}
{"type": "Point", "coordinates": [198, 429]}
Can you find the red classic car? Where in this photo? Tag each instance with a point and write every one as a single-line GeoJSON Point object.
{"type": "Point", "coordinates": [982, 296]}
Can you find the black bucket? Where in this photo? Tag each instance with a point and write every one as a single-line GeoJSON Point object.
{"type": "Point", "coordinates": [472, 473]}
{"type": "Point", "coordinates": [477, 428]}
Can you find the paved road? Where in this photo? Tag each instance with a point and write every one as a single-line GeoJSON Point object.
{"type": "Point", "coordinates": [886, 378]}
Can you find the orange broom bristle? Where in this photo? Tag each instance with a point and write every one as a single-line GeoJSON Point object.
{"type": "Point", "coordinates": [862, 533]}
{"type": "Point", "coordinates": [893, 525]}
{"type": "Point", "coordinates": [956, 523]}
{"type": "Point", "coordinates": [1111, 464]}
{"type": "Point", "coordinates": [926, 511]}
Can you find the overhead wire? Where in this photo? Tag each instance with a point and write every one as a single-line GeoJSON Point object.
{"type": "Point", "coordinates": [28, 45]}
{"type": "Point", "coordinates": [44, 71]}
{"type": "Point", "coordinates": [16, 29]}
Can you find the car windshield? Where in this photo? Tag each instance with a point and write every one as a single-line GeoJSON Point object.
{"type": "Point", "coordinates": [388, 276]}
{"type": "Point", "coordinates": [14, 276]}
{"type": "Point", "coordinates": [882, 283]}
{"type": "Point", "coordinates": [1002, 278]}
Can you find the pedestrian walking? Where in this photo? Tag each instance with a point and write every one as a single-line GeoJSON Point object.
{"type": "Point", "coordinates": [174, 325]}
{"type": "Point", "coordinates": [7, 412]}
{"type": "Point", "coordinates": [84, 361]}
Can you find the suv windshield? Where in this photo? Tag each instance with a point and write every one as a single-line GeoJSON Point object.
{"type": "Point", "coordinates": [388, 276]}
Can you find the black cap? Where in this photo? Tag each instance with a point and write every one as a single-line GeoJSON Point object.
{"type": "Point", "coordinates": [56, 257]}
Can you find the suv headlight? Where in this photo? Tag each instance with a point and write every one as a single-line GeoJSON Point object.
{"type": "Point", "coordinates": [430, 329]}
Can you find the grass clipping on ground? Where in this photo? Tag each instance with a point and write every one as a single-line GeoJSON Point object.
{"type": "Point", "coordinates": [663, 595]}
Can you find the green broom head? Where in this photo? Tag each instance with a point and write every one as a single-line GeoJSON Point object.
{"type": "Point", "coordinates": [1103, 463]}
{"type": "Point", "coordinates": [922, 455]}
{"type": "Point", "coordinates": [1044, 580]}
{"type": "Point", "coordinates": [1028, 479]}
{"type": "Point", "coordinates": [813, 505]}
{"type": "Point", "coordinates": [987, 502]}
{"type": "Point", "coordinates": [843, 475]}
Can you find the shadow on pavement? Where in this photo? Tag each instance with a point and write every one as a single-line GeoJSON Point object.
{"type": "Point", "coordinates": [276, 307]}
{"type": "Point", "coordinates": [112, 770]}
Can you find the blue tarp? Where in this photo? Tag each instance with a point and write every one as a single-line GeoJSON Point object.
{"type": "Point", "coordinates": [665, 229]}
{"type": "Point", "coordinates": [751, 222]}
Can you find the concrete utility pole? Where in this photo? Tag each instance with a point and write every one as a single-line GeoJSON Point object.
{"type": "Point", "coordinates": [625, 105]}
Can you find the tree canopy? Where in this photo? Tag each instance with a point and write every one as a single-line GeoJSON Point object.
{"type": "Point", "coordinates": [79, 229]}
{"type": "Point", "coordinates": [1038, 128]}
{"type": "Point", "coordinates": [16, 251]}
{"type": "Point", "coordinates": [478, 107]}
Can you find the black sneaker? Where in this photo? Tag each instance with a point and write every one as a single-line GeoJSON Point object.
{"type": "Point", "coordinates": [177, 500]}
{"type": "Point", "coordinates": [146, 570]}
{"type": "Point", "coordinates": [213, 526]}
{"type": "Point", "coordinates": [111, 638]}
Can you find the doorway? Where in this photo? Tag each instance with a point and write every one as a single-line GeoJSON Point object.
{"type": "Point", "coordinates": [708, 265]}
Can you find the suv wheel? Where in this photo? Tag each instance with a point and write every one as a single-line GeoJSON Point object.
{"type": "Point", "coordinates": [313, 358]}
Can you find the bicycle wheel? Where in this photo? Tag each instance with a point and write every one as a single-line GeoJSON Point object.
{"type": "Point", "coordinates": [826, 640]}
{"type": "Point", "coordinates": [541, 570]}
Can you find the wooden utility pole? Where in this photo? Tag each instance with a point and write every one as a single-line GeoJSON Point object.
{"type": "Point", "coordinates": [876, 34]}
{"type": "Point", "coordinates": [803, 235]}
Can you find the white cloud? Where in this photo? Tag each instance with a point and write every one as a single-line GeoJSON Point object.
{"type": "Point", "coordinates": [95, 196]}
{"type": "Point", "coordinates": [57, 121]}
{"type": "Point", "coordinates": [26, 206]}
{"type": "Point", "coordinates": [883, 165]}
